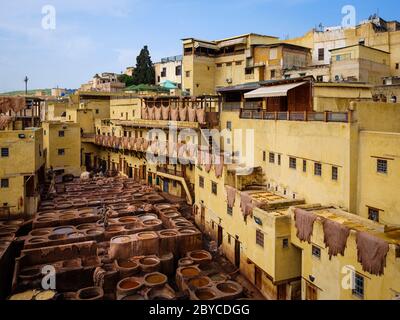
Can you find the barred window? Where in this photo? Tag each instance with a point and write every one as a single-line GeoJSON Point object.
{"type": "Point", "coordinates": [292, 163]}
{"type": "Point", "coordinates": [304, 165]}
{"type": "Point", "coordinates": [271, 157]}
{"type": "Point", "coordinates": [213, 187]}
{"type": "Point", "coordinates": [316, 252]}
{"type": "Point", "coordinates": [317, 169]}
{"type": "Point", "coordinates": [201, 182]}
{"type": "Point", "coordinates": [358, 286]}
{"type": "Point", "coordinates": [5, 152]}
{"type": "Point", "coordinates": [5, 183]}
{"type": "Point", "coordinates": [381, 166]}
{"type": "Point", "coordinates": [335, 173]}
{"type": "Point", "coordinates": [279, 159]}
{"type": "Point", "coordinates": [260, 238]}
{"type": "Point", "coordinates": [373, 214]}
{"type": "Point", "coordinates": [229, 210]}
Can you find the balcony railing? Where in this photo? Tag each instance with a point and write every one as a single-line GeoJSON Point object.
{"type": "Point", "coordinates": [231, 106]}
{"type": "Point", "coordinates": [172, 172]}
{"type": "Point", "coordinates": [297, 116]}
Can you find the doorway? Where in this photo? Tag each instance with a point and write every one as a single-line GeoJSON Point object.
{"type": "Point", "coordinates": [203, 219]}
{"type": "Point", "coordinates": [237, 253]}
{"type": "Point", "coordinates": [282, 292]}
{"type": "Point", "coordinates": [166, 186]}
{"type": "Point", "coordinates": [130, 172]}
{"type": "Point", "coordinates": [88, 162]}
{"type": "Point", "coordinates": [311, 292]}
{"type": "Point", "coordinates": [220, 235]}
{"type": "Point", "coordinates": [257, 277]}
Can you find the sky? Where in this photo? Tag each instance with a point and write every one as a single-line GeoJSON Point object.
{"type": "Point", "coordinates": [94, 36]}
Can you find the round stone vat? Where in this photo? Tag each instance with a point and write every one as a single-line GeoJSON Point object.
{"type": "Point", "coordinates": [90, 293]}
{"type": "Point", "coordinates": [155, 279]}
{"type": "Point", "coordinates": [149, 264]}
{"type": "Point", "coordinates": [63, 230]}
{"type": "Point", "coordinates": [199, 282]}
{"type": "Point", "coordinates": [128, 286]}
{"type": "Point", "coordinates": [40, 233]}
{"type": "Point", "coordinates": [230, 290]}
{"type": "Point", "coordinates": [184, 262]}
{"type": "Point", "coordinates": [205, 294]}
{"type": "Point", "coordinates": [200, 256]}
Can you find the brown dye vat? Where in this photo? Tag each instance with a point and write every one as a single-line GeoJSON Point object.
{"type": "Point", "coordinates": [45, 219]}
{"type": "Point", "coordinates": [29, 274]}
{"type": "Point", "coordinates": [149, 264]}
{"type": "Point", "coordinates": [205, 294]}
{"type": "Point", "coordinates": [86, 226]}
{"type": "Point", "coordinates": [63, 230]}
{"type": "Point", "coordinates": [37, 240]}
{"type": "Point", "coordinates": [168, 233]}
{"type": "Point", "coordinates": [155, 279]}
{"type": "Point", "coordinates": [187, 230]}
{"type": "Point", "coordinates": [199, 282]}
{"type": "Point", "coordinates": [146, 235]}
{"type": "Point", "coordinates": [200, 256]}
{"type": "Point", "coordinates": [227, 288]}
{"type": "Point", "coordinates": [91, 293]}
{"type": "Point", "coordinates": [12, 223]}
{"type": "Point", "coordinates": [127, 264]}
{"type": "Point", "coordinates": [133, 297]}
{"type": "Point", "coordinates": [127, 220]}
{"type": "Point", "coordinates": [39, 233]}
{"type": "Point", "coordinates": [128, 286]}
{"type": "Point", "coordinates": [183, 224]}
{"type": "Point", "coordinates": [189, 272]}
{"type": "Point", "coordinates": [114, 229]}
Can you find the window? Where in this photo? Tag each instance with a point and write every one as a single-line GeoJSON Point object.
{"type": "Point", "coordinates": [5, 152]}
{"type": "Point", "coordinates": [219, 65]}
{"type": "Point", "coordinates": [304, 165]}
{"type": "Point", "coordinates": [213, 187]}
{"type": "Point", "coordinates": [381, 166]}
{"type": "Point", "coordinates": [238, 63]}
{"type": "Point", "coordinates": [273, 74]}
{"type": "Point", "coordinates": [321, 54]}
{"type": "Point", "coordinates": [229, 239]}
{"type": "Point", "coordinates": [229, 125]}
{"type": "Point", "coordinates": [373, 214]}
{"type": "Point", "coordinates": [264, 156]}
{"type": "Point", "coordinates": [260, 238]}
{"type": "Point", "coordinates": [228, 64]}
{"type": "Point", "coordinates": [158, 79]}
{"type": "Point", "coordinates": [229, 210]}
{"type": "Point", "coordinates": [174, 183]}
{"type": "Point", "coordinates": [212, 225]}
{"type": "Point", "coordinates": [97, 111]}
{"type": "Point", "coordinates": [61, 152]}
{"type": "Point", "coordinates": [358, 289]}
{"type": "Point", "coordinates": [273, 53]}
{"type": "Point", "coordinates": [285, 243]}
{"type": "Point", "coordinates": [320, 78]}
{"type": "Point", "coordinates": [5, 183]}
{"type": "Point", "coordinates": [397, 66]}
{"type": "Point", "coordinates": [292, 163]}
{"type": "Point", "coordinates": [249, 71]}
{"type": "Point", "coordinates": [317, 169]}
{"type": "Point", "coordinates": [279, 159]}
{"type": "Point", "coordinates": [334, 173]}
{"type": "Point", "coordinates": [271, 157]}
{"type": "Point", "coordinates": [178, 70]}
{"type": "Point", "coordinates": [187, 74]}
{"type": "Point", "coordinates": [316, 252]}
{"type": "Point", "coordinates": [61, 133]}
{"type": "Point", "coordinates": [164, 73]}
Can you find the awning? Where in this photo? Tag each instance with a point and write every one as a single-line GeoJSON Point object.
{"type": "Point", "coordinates": [205, 45]}
{"type": "Point", "coordinates": [273, 91]}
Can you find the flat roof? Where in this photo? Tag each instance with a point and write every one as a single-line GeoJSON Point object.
{"type": "Point", "coordinates": [359, 45]}
{"type": "Point", "coordinates": [230, 38]}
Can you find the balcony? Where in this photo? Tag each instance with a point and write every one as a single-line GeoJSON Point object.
{"type": "Point", "coordinates": [343, 117]}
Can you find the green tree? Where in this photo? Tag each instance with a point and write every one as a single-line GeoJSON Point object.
{"type": "Point", "coordinates": [144, 72]}
{"type": "Point", "coordinates": [128, 80]}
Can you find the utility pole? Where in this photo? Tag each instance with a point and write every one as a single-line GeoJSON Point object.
{"type": "Point", "coordinates": [26, 85]}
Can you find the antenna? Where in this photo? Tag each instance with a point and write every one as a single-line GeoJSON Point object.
{"type": "Point", "coordinates": [26, 85]}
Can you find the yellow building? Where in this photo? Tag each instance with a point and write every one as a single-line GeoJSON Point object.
{"type": "Point", "coordinates": [309, 148]}
{"type": "Point", "coordinates": [360, 63]}
{"type": "Point", "coordinates": [22, 156]}
{"type": "Point", "coordinates": [62, 144]}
